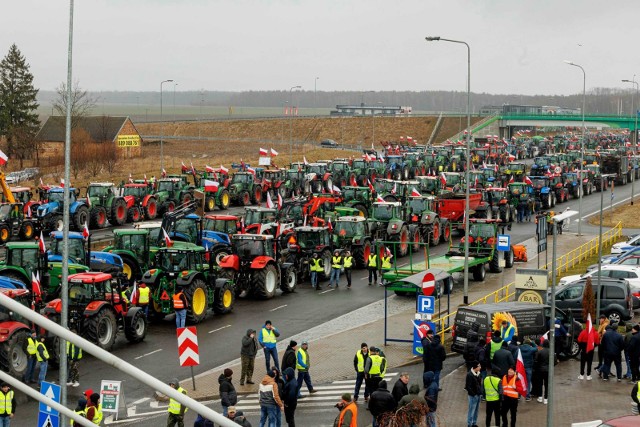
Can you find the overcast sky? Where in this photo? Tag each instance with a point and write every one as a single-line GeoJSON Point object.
{"type": "Point", "coordinates": [236, 45]}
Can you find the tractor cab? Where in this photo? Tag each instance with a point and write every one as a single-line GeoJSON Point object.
{"type": "Point", "coordinates": [385, 211]}
{"type": "Point", "coordinates": [312, 238]}
{"type": "Point", "coordinates": [227, 224]}
{"type": "Point", "coordinates": [249, 246]}
{"type": "Point", "coordinates": [417, 205]}
{"type": "Point", "coordinates": [348, 227]}
{"type": "Point", "coordinates": [259, 215]}
{"type": "Point", "coordinates": [92, 286]}
{"type": "Point", "coordinates": [101, 191]}
{"type": "Point", "coordinates": [77, 249]}
{"type": "Point", "coordinates": [136, 241]}
{"type": "Point", "coordinates": [136, 190]}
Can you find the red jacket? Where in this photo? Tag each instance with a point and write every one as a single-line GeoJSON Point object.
{"type": "Point", "coordinates": [582, 338]}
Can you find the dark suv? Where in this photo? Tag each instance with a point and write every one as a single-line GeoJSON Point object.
{"type": "Point", "coordinates": [616, 301]}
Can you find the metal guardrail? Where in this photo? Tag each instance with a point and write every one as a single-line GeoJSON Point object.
{"type": "Point", "coordinates": [563, 263]}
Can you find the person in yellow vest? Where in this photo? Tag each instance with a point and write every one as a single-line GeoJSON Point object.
{"type": "Point", "coordinates": [74, 354]}
{"type": "Point", "coordinates": [372, 267]}
{"type": "Point", "coordinates": [316, 266]}
{"type": "Point", "coordinates": [180, 305]}
{"type": "Point", "coordinates": [635, 394]}
{"type": "Point", "coordinates": [43, 358]}
{"type": "Point", "coordinates": [336, 267]}
{"type": "Point", "coordinates": [143, 298]}
{"type": "Point", "coordinates": [176, 410]}
{"type": "Point", "coordinates": [268, 340]}
{"type": "Point", "coordinates": [507, 330]}
{"type": "Point", "coordinates": [93, 411]}
{"type": "Point", "coordinates": [375, 367]}
{"type": "Point", "coordinates": [30, 372]}
{"type": "Point", "coordinates": [303, 364]}
{"type": "Point", "coordinates": [347, 262]}
{"type": "Point", "coordinates": [348, 412]}
{"type": "Point", "coordinates": [492, 393]}
{"type": "Point", "coordinates": [7, 404]}
{"type": "Point", "coordinates": [510, 396]}
{"type": "Point", "coordinates": [385, 264]}
{"type": "Point", "coordinates": [359, 361]}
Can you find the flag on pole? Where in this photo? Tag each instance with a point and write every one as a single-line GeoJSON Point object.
{"type": "Point", "coordinates": [304, 159]}
{"type": "Point", "coordinates": [209, 169]}
{"type": "Point", "coordinates": [41, 183]}
{"type": "Point", "coordinates": [330, 226]}
{"type": "Point", "coordinates": [88, 201]}
{"type": "Point", "coordinates": [273, 153]}
{"type": "Point", "coordinates": [251, 170]}
{"type": "Point", "coordinates": [35, 285]}
{"type": "Point", "coordinates": [3, 158]}
{"type": "Point", "coordinates": [352, 181]}
{"type": "Point", "coordinates": [591, 343]}
{"type": "Point", "coordinates": [85, 231]}
{"type": "Point", "coordinates": [394, 190]}
{"type": "Point", "coordinates": [62, 182]}
{"type": "Point", "coordinates": [511, 180]}
{"type": "Point", "coordinates": [134, 293]}
{"type": "Point", "coordinates": [211, 186]}
{"type": "Point", "coordinates": [224, 170]}
{"type": "Point", "coordinates": [443, 179]}
{"type": "Point", "coordinates": [263, 152]}
{"type": "Point", "coordinates": [164, 173]}
{"type": "Point", "coordinates": [193, 170]}
{"type": "Point", "coordinates": [183, 168]}
{"type": "Point", "coordinates": [415, 193]}
{"type": "Point", "coordinates": [270, 204]}
{"type": "Point", "coordinates": [41, 245]}
{"type": "Point", "coordinates": [528, 181]}
{"type": "Point", "coordinates": [335, 189]}
{"type": "Point", "coordinates": [167, 239]}
{"type": "Point", "coordinates": [279, 201]}
{"type": "Point", "coordinates": [522, 385]}
{"type": "Point", "coordinates": [370, 185]}
{"type": "Point", "coordinates": [130, 178]}
{"type": "Point", "coordinates": [379, 199]}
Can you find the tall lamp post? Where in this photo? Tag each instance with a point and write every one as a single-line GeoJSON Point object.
{"type": "Point", "coordinates": [634, 139]}
{"type": "Point", "coordinates": [315, 90]}
{"type": "Point", "coordinates": [584, 137]}
{"type": "Point", "coordinates": [291, 122]}
{"type": "Point", "coordinates": [174, 101]}
{"type": "Point", "coordinates": [162, 126]}
{"type": "Point", "coordinates": [468, 167]}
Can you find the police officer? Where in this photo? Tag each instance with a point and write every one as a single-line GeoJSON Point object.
{"type": "Point", "coordinates": [176, 409]}
{"type": "Point", "coordinates": [336, 266]}
{"type": "Point", "coordinates": [316, 266]}
{"type": "Point", "coordinates": [29, 374]}
{"type": "Point", "coordinates": [7, 404]}
{"type": "Point", "coordinates": [372, 266]}
{"type": "Point", "coordinates": [347, 261]}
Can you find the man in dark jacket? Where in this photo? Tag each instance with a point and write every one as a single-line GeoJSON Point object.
{"type": "Point", "coordinates": [248, 353]}
{"type": "Point", "coordinates": [289, 357]}
{"type": "Point", "coordinates": [541, 370]}
{"type": "Point", "coordinates": [381, 402]}
{"type": "Point", "coordinates": [290, 395]}
{"type": "Point", "coordinates": [612, 345]}
{"type": "Point", "coordinates": [501, 361]}
{"type": "Point", "coordinates": [400, 388]}
{"type": "Point", "coordinates": [433, 357]}
{"type": "Point", "coordinates": [431, 396]}
{"type": "Point", "coordinates": [528, 351]}
{"type": "Point", "coordinates": [228, 395]}
{"type": "Point", "coordinates": [474, 391]}
{"type": "Point", "coordinates": [359, 362]}
{"type": "Point", "coordinates": [633, 351]}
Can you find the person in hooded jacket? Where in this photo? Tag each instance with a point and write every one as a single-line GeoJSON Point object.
{"type": "Point", "coordinates": [502, 359]}
{"type": "Point", "coordinates": [270, 402]}
{"type": "Point", "coordinates": [381, 402]}
{"type": "Point", "coordinates": [602, 326]}
{"type": "Point", "coordinates": [494, 345]}
{"type": "Point", "coordinates": [413, 398]}
{"type": "Point", "coordinates": [586, 357]}
{"type": "Point", "coordinates": [433, 358]}
{"type": "Point", "coordinates": [241, 420]}
{"type": "Point", "coordinates": [528, 351]}
{"type": "Point", "coordinates": [289, 357]}
{"type": "Point", "coordinates": [228, 395]}
{"type": "Point", "coordinates": [431, 396]}
{"type": "Point", "coordinates": [611, 345]}
{"type": "Point", "coordinates": [248, 355]}
{"type": "Point", "coordinates": [290, 395]}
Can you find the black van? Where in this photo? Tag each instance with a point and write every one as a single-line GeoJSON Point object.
{"type": "Point", "coordinates": [530, 320]}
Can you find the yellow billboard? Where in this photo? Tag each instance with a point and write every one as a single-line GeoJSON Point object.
{"type": "Point", "coordinates": [125, 141]}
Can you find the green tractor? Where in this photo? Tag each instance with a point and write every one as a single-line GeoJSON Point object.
{"type": "Point", "coordinates": [421, 212]}
{"type": "Point", "coordinates": [244, 189]}
{"type": "Point", "coordinates": [341, 172]}
{"type": "Point", "coordinates": [173, 191]}
{"type": "Point", "coordinates": [387, 224]}
{"type": "Point", "coordinates": [352, 233]}
{"type": "Point", "coordinates": [184, 267]}
{"type": "Point", "coordinates": [105, 204]}
{"type": "Point", "coordinates": [359, 198]}
{"type": "Point", "coordinates": [137, 248]}
{"type": "Point", "coordinates": [293, 182]}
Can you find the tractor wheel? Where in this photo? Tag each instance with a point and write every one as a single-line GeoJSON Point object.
{"type": "Point", "coordinates": [405, 173]}
{"type": "Point", "coordinates": [98, 217]}
{"type": "Point", "coordinates": [494, 264]}
{"type": "Point", "coordinates": [264, 282]}
{"type": "Point", "coordinates": [136, 329]}
{"type": "Point", "coordinates": [151, 210]}
{"type": "Point", "coordinates": [81, 217]}
{"type": "Point", "coordinates": [446, 234]}
{"type": "Point", "coordinates": [130, 268]}
{"type": "Point", "coordinates": [209, 204]}
{"type": "Point", "coordinates": [224, 298]}
{"type": "Point", "coordinates": [362, 181]}
{"type": "Point", "coordinates": [245, 198]}
{"type": "Point", "coordinates": [361, 254]}
{"type": "Point", "coordinates": [101, 329]}
{"type": "Point", "coordinates": [326, 260]}
{"type": "Point", "coordinates": [509, 258]}
{"type": "Point", "coordinates": [289, 281]}
{"type": "Point", "coordinates": [27, 230]}
{"type": "Point", "coordinates": [397, 175]}
{"type": "Point", "coordinates": [225, 200]}
{"type": "Point", "coordinates": [364, 212]}
{"type": "Point", "coordinates": [13, 355]}
{"type": "Point", "coordinates": [479, 273]}
{"type": "Point", "coordinates": [218, 253]}
{"type": "Point", "coordinates": [416, 240]}
{"type": "Point", "coordinates": [187, 198]}
{"type": "Point", "coordinates": [196, 294]}
{"type": "Point", "coordinates": [403, 238]}
{"type": "Point", "coordinates": [134, 215]}
{"type": "Point", "coordinates": [435, 233]}
{"type": "Point", "coordinates": [256, 197]}
{"type": "Point", "coordinates": [58, 223]}
{"type": "Point", "coordinates": [118, 212]}
{"type": "Point", "coordinates": [170, 206]}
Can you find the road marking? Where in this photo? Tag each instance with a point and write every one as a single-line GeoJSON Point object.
{"type": "Point", "coordinates": [139, 401]}
{"type": "Point", "coordinates": [403, 265]}
{"type": "Point", "coordinates": [109, 419]}
{"type": "Point", "coordinates": [219, 329]}
{"type": "Point", "coordinates": [148, 354]}
{"type": "Point", "coordinates": [328, 290]}
{"type": "Point", "coordinates": [278, 308]}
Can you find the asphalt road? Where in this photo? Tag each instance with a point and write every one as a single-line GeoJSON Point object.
{"type": "Point", "coordinates": [292, 314]}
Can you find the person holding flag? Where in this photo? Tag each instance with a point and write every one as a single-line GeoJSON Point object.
{"type": "Point", "coordinates": [528, 352]}
{"type": "Point", "coordinates": [587, 341]}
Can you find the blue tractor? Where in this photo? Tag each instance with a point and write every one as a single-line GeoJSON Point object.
{"type": "Point", "coordinates": [50, 213]}
{"type": "Point", "coordinates": [545, 197]}
{"type": "Point", "coordinates": [80, 253]}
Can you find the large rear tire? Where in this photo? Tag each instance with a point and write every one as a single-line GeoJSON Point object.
{"type": "Point", "coordinates": [509, 258]}
{"type": "Point", "coordinates": [13, 355]}
{"type": "Point", "coordinates": [479, 273]}
{"type": "Point", "coordinates": [326, 260]}
{"type": "Point", "coordinates": [136, 328]}
{"type": "Point", "coordinates": [134, 215]}
{"type": "Point", "coordinates": [101, 329]}
{"type": "Point", "coordinates": [265, 282]}
{"type": "Point", "coordinates": [81, 217]}
{"type": "Point", "coordinates": [131, 269]}
{"type": "Point", "coordinates": [151, 210]}
{"type": "Point", "coordinates": [256, 197]}
{"type": "Point", "coordinates": [403, 239]}
{"type": "Point", "coordinates": [494, 264]}
{"type": "Point", "coordinates": [98, 217]}
{"type": "Point", "coordinates": [27, 230]}
{"type": "Point", "coordinates": [224, 298]}
{"type": "Point", "coordinates": [225, 200]}
{"type": "Point", "coordinates": [289, 281]}
{"type": "Point", "coordinates": [118, 212]}
{"type": "Point", "coordinates": [364, 212]}
{"type": "Point", "coordinates": [361, 254]}
{"type": "Point", "coordinates": [196, 294]}
{"type": "Point", "coordinates": [5, 233]}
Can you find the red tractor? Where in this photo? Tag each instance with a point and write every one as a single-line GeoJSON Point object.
{"type": "Point", "coordinates": [98, 311]}
{"type": "Point", "coordinates": [141, 204]}
{"type": "Point", "coordinates": [14, 333]}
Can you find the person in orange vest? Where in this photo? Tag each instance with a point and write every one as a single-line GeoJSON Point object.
{"type": "Point", "coordinates": [180, 305]}
{"type": "Point", "coordinates": [348, 412]}
{"type": "Point", "coordinates": [510, 395]}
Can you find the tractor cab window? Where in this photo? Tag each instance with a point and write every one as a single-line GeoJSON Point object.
{"type": "Point", "coordinates": [252, 217]}
{"type": "Point", "coordinates": [539, 183]}
{"type": "Point", "coordinates": [174, 261]}
{"type": "Point", "coordinates": [80, 292]}
{"type": "Point", "coordinates": [293, 174]}
{"type": "Point", "coordinates": [310, 240]}
{"type": "Point", "coordinates": [243, 178]}
{"type": "Point", "coordinates": [98, 191]}
{"type": "Point", "coordinates": [541, 161]}
{"type": "Point", "coordinates": [349, 228]}
{"type": "Point", "coordinates": [394, 160]}
{"type": "Point", "coordinates": [165, 186]}
{"type": "Point", "coordinates": [453, 179]}
{"type": "Point", "coordinates": [417, 206]}
{"type": "Point", "coordinates": [76, 249]}
{"type": "Point", "coordinates": [134, 242]}
{"type": "Point", "coordinates": [250, 248]}
{"type": "Point", "coordinates": [134, 191]}
{"type": "Point", "coordinates": [317, 169]}
{"type": "Point", "coordinates": [428, 185]}
{"type": "Point", "coordinates": [383, 212]}
{"type": "Point", "coordinates": [55, 197]}
{"type": "Point", "coordinates": [186, 228]}
{"type": "Point", "coordinates": [358, 164]}
{"type": "Point", "coordinates": [27, 258]}
{"type": "Point", "coordinates": [482, 230]}
{"type": "Point", "coordinates": [338, 167]}
{"type": "Point", "coordinates": [5, 212]}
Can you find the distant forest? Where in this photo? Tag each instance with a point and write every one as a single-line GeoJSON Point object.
{"type": "Point", "coordinates": [598, 100]}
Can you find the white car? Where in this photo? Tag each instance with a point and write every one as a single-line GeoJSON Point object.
{"type": "Point", "coordinates": [621, 247]}
{"type": "Point", "coordinates": [614, 271]}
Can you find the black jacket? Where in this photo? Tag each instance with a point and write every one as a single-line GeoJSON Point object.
{"type": "Point", "coordinates": [542, 360]}
{"type": "Point", "coordinates": [502, 360]}
{"type": "Point", "coordinates": [381, 401]}
{"type": "Point", "coordinates": [290, 389]}
{"type": "Point", "coordinates": [633, 347]}
{"type": "Point", "coordinates": [472, 384]}
{"type": "Point", "coordinates": [612, 342]}
{"type": "Point", "coordinates": [400, 389]}
{"type": "Point", "coordinates": [433, 354]}
{"type": "Point", "coordinates": [249, 345]}
{"type": "Point", "coordinates": [289, 359]}
{"type": "Point", "coordinates": [228, 395]}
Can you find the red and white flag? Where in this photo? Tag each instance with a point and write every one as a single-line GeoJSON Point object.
{"type": "Point", "coordinates": [352, 181]}
{"type": "Point", "coordinates": [167, 239]}
{"type": "Point", "coordinates": [35, 285]}
{"type": "Point", "coordinates": [394, 190]}
{"type": "Point", "coordinates": [370, 185]}
{"type": "Point", "coordinates": [62, 182]}
{"type": "Point", "coordinates": [41, 183]}
{"type": "Point", "coordinates": [415, 193]}
{"type": "Point", "coordinates": [379, 199]}
{"type": "Point", "coordinates": [263, 152]}
{"type": "Point", "coordinates": [85, 231]}
{"type": "Point", "coordinates": [511, 157]}
{"type": "Point", "coordinates": [270, 204]}
{"type": "Point", "coordinates": [211, 186]}
{"type": "Point", "coordinates": [183, 167]}
{"type": "Point", "coordinates": [511, 180]}
{"type": "Point", "coordinates": [304, 159]}
{"type": "Point", "coordinates": [443, 179]}
{"type": "Point", "coordinates": [41, 245]}
{"type": "Point", "coordinates": [88, 201]}
{"type": "Point", "coordinates": [29, 213]}
{"type": "Point", "coordinates": [193, 170]}
{"type": "Point", "coordinates": [521, 386]}
{"type": "Point", "coordinates": [251, 170]}
{"type": "Point", "coordinates": [223, 169]}
{"type": "Point", "coordinates": [209, 169]}
{"type": "Point", "coordinates": [164, 173]}
{"type": "Point", "coordinates": [495, 168]}
{"type": "Point", "coordinates": [130, 178]}
{"type": "Point", "coordinates": [336, 190]}
{"type": "Point", "coordinates": [3, 158]}
{"type": "Point", "coordinates": [591, 343]}
{"type": "Point", "coordinates": [273, 153]}
{"type": "Point", "coordinates": [330, 226]}
{"type": "Point", "coordinates": [544, 338]}
{"type": "Point", "coordinates": [279, 201]}
{"type": "Point", "coordinates": [528, 181]}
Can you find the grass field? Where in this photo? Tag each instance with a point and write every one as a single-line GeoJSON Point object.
{"type": "Point", "coordinates": [626, 214]}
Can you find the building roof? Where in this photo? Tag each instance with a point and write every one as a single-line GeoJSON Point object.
{"type": "Point", "coordinates": [100, 128]}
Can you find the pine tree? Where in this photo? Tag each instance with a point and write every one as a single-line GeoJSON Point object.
{"type": "Point", "coordinates": [18, 105]}
{"type": "Point", "coordinates": [588, 301]}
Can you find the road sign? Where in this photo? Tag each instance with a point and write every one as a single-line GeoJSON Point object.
{"type": "Point", "coordinates": [428, 284]}
{"type": "Point", "coordinates": [52, 391]}
{"type": "Point", "coordinates": [504, 242]}
{"type": "Point", "coordinates": [426, 304]}
{"type": "Point", "coordinates": [110, 395]}
{"type": "Point", "coordinates": [48, 420]}
{"type": "Point", "coordinates": [420, 328]}
{"type": "Point", "coordinates": [188, 346]}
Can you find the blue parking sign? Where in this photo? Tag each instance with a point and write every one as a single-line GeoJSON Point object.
{"type": "Point", "coordinates": [426, 305]}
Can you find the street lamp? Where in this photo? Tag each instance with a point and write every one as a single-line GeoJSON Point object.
{"type": "Point", "coordinates": [634, 139]}
{"type": "Point", "coordinates": [315, 89]}
{"type": "Point", "coordinates": [162, 127]}
{"type": "Point", "coordinates": [584, 137]}
{"type": "Point", "coordinates": [174, 101]}
{"type": "Point", "coordinates": [291, 122]}
{"type": "Point", "coordinates": [468, 167]}
{"type": "Point", "coordinates": [373, 114]}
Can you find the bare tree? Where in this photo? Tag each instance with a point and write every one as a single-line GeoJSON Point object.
{"type": "Point", "coordinates": [82, 103]}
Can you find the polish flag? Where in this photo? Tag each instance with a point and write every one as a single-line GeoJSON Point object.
{"type": "Point", "coordinates": [495, 167]}
{"type": "Point", "coordinates": [193, 170]}
{"type": "Point", "coordinates": [251, 170]}
{"type": "Point", "coordinates": [279, 201]}
{"type": "Point", "coordinates": [484, 165]}
{"type": "Point", "coordinates": [336, 190]}
{"type": "Point", "coordinates": [511, 180]}
{"type": "Point", "coordinates": [3, 158]}
{"type": "Point", "coordinates": [270, 204]}
{"type": "Point", "coordinates": [88, 201]}
{"type": "Point", "coordinates": [415, 193]}
{"type": "Point", "coordinates": [134, 293]}
{"type": "Point", "coordinates": [273, 153]}
{"type": "Point", "coordinates": [41, 245]}
{"type": "Point", "coordinates": [370, 185]}
{"type": "Point", "coordinates": [379, 199]}
{"type": "Point", "coordinates": [352, 181]}
{"type": "Point", "coordinates": [544, 338]}
{"type": "Point", "coordinates": [511, 157]}
{"type": "Point", "coordinates": [443, 179]}
{"type": "Point", "coordinates": [211, 186]}
{"type": "Point", "coordinates": [29, 213]}
{"type": "Point", "coordinates": [41, 183]}
{"type": "Point", "coordinates": [130, 178]}
{"type": "Point", "coordinates": [62, 182]}
{"type": "Point", "coordinates": [223, 169]}
{"type": "Point", "coordinates": [167, 239]}
{"type": "Point", "coordinates": [304, 159]}
{"type": "Point", "coordinates": [35, 286]}
{"type": "Point", "coordinates": [590, 338]}
{"type": "Point", "coordinates": [528, 181]}
{"type": "Point", "coordinates": [164, 173]}
{"type": "Point", "coordinates": [209, 169]}
{"type": "Point", "coordinates": [85, 231]}
{"type": "Point", "coordinates": [394, 190]}
{"type": "Point", "coordinates": [183, 168]}
{"type": "Point", "coordinates": [263, 152]}
{"type": "Point", "coordinates": [476, 183]}
{"type": "Point", "coordinates": [330, 226]}
{"type": "Point", "coordinates": [522, 375]}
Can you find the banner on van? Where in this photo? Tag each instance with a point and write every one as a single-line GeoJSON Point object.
{"type": "Point", "coordinates": [532, 279]}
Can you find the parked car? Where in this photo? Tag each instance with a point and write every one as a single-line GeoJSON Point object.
{"type": "Point", "coordinates": [329, 143]}
{"type": "Point", "coordinates": [616, 301]}
{"type": "Point", "coordinates": [621, 247]}
{"type": "Point", "coordinates": [613, 259]}
{"type": "Point", "coordinates": [614, 271]}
